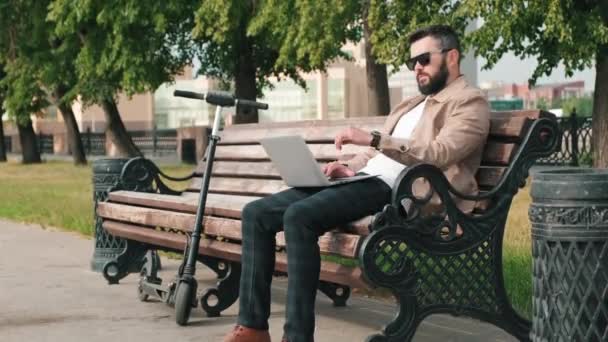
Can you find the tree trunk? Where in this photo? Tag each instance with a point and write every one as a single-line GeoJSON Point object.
{"type": "Point", "coordinates": [29, 145]}
{"type": "Point", "coordinates": [245, 81]}
{"type": "Point", "coordinates": [2, 146]}
{"type": "Point", "coordinates": [600, 110]}
{"type": "Point", "coordinates": [379, 102]}
{"type": "Point", "coordinates": [117, 131]}
{"type": "Point", "coordinates": [73, 135]}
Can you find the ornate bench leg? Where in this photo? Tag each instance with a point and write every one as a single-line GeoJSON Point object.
{"type": "Point", "coordinates": [403, 327]}
{"type": "Point", "coordinates": [384, 264]}
{"type": "Point", "coordinates": [339, 294]}
{"type": "Point", "coordinates": [132, 258]}
{"type": "Point", "coordinates": [219, 298]}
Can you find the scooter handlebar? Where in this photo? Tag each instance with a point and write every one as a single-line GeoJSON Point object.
{"type": "Point", "coordinates": [189, 94]}
{"type": "Point", "coordinates": [220, 98]}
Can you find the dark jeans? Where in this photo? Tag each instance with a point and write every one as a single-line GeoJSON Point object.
{"type": "Point", "coordinates": [304, 214]}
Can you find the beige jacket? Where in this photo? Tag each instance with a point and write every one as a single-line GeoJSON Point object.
{"type": "Point", "coordinates": [451, 135]}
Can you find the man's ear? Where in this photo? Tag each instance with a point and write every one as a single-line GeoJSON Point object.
{"type": "Point", "coordinates": [453, 57]}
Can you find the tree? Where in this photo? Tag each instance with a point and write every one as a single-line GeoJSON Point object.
{"type": "Point", "coordinates": [312, 34]}
{"type": "Point", "coordinates": [247, 41]}
{"type": "Point", "coordinates": [23, 98]}
{"type": "Point", "coordinates": [2, 91]}
{"type": "Point", "coordinates": [393, 21]}
{"type": "Point", "coordinates": [573, 32]}
{"type": "Point", "coordinates": [125, 46]}
{"type": "Point", "coordinates": [377, 76]}
{"type": "Point", "coordinates": [48, 61]}
{"type": "Point", "coordinates": [22, 95]}
{"type": "Point", "coordinates": [582, 105]}
{"type": "Point", "coordinates": [387, 25]}
{"type": "Point", "coordinates": [542, 104]}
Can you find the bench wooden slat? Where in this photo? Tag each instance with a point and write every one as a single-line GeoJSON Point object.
{"type": "Point", "coordinates": [329, 243]}
{"type": "Point", "coordinates": [322, 152]}
{"type": "Point", "coordinates": [241, 169]}
{"type": "Point", "coordinates": [345, 245]}
{"type": "Point", "coordinates": [217, 204]}
{"type": "Point", "coordinates": [240, 186]}
{"type": "Point", "coordinates": [489, 176]}
{"type": "Point", "coordinates": [265, 170]}
{"type": "Point", "coordinates": [332, 272]}
{"type": "Point", "coordinates": [146, 216]}
{"type": "Point", "coordinates": [508, 127]}
{"type": "Point", "coordinates": [229, 206]}
{"type": "Point", "coordinates": [528, 113]}
{"type": "Point", "coordinates": [498, 153]}
{"type": "Point", "coordinates": [310, 130]}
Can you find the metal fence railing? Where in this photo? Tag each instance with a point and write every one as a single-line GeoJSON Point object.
{"type": "Point", "coordinates": [575, 149]}
{"type": "Point", "coordinates": [94, 143]}
{"type": "Point", "coordinates": [45, 143]}
{"type": "Point", "coordinates": [8, 144]}
{"type": "Point", "coordinates": [155, 142]}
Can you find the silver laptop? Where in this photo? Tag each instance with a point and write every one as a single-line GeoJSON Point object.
{"type": "Point", "coordinates": [296, 164]}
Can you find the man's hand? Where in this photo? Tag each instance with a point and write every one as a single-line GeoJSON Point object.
{"type": "Point", "coordinates": [354, 136]}
{"type": "Point", "coordinates": [337, 170]}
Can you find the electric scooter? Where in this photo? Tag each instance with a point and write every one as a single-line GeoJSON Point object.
{"type": "Point", "coordinates": [182, 291]}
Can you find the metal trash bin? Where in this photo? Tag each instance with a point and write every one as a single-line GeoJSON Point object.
{"type": "Point", "coordinates": [569, 216]}
{"type": "Point", "coordinates": [188, 151]}
{"type": "Point", "coordinates": [106, 174]}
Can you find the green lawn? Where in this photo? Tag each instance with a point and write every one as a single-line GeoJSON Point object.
{"type": "Point", "coordinates": [59, 194]}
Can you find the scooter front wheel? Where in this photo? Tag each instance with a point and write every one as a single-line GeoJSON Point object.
{"type": "Point", "coordinates": [186, 290]}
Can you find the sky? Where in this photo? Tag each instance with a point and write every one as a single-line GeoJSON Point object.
{"type": "Point", "coordinates": [510, 69]}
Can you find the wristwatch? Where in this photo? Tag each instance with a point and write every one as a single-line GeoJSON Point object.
{"type": "Point", "coordinates": [375, 139]}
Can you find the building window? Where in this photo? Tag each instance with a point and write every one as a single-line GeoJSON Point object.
{"type": "Point", "coordinates": [174, 112]}
{"type": "Point", "coordinates": [287, 101]}
{"type": "Point", "coordinates": [335, 98]}
{"type": "Point", "coordinates": [161, 119]}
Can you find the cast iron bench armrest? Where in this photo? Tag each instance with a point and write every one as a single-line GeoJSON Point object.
{"type": "Point", "coordinates": [408, 210]}
{"type": "Point", "coordinates": [141, 174]}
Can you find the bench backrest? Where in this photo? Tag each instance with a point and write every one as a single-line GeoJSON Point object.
{"type": "Point", "coordinates": [241, 166]}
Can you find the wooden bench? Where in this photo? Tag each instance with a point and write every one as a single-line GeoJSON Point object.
{"type": "Point", "coordinates": [428, 270]}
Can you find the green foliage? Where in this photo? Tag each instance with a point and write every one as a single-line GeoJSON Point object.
{"type": "Point", "coordinates": [310, 33]}
{"type": "Point", "coordinates": [552, 31]}
{"type": "Point", "coordinates": [542, 104]}
{"type": "Point", "coordinates": [585, 159]}
{"type": "Point", "coordinates": [24, 44]}
{"type": "Point", "coordinates": [583, 106]}
{"type": "Point", "coordinates": [393, 21]}
{"type": "Point", "coordinates": [287, 36]}
{"type": "Point", "coordinates": [125, 45]}
{"type": "Point", "coordinates": [56, 194]}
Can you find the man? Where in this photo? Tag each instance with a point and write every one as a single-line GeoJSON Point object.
{"type": "Point", "coordinates": [446, 126]}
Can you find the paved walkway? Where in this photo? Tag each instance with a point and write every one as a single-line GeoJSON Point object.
{"type": "Point", "coordinates": [48, 293]}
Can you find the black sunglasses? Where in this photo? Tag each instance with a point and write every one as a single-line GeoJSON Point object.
{"type": "Point", "coordinates": [424, 59]}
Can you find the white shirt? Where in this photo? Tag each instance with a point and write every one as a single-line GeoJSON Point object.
{"type": "Point", "coordinates": [388, 169]}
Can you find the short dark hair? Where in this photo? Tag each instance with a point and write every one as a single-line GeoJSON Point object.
{"type": "Point", "coordinates": [444, 33]}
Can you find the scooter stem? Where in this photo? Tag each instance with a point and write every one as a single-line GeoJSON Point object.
{"type": "Point", "coordinates": [189, 267]}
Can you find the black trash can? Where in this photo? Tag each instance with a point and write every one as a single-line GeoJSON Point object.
{"type": "Point", "coordinates": [189, 151]}
{"type": "Point", "coordinates": [106, 174]}
{"type": "Point", "coordinates": [569, 216]}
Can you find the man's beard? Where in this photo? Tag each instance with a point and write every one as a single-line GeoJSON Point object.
{"type": "Point", "coordinates": [435, 83]}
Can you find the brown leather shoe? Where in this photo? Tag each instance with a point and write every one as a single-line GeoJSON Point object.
{"type": "Point", "coordinates": [243, 334]}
